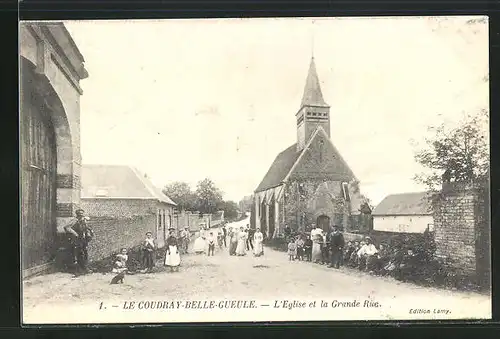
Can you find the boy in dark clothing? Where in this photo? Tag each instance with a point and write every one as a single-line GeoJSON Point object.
{"type": "Point", "coordinates": [308, 244]}
{"type": "Point", "coordinates": [336, 247]}
{"type": "Point", "coordinates": [251, 233]}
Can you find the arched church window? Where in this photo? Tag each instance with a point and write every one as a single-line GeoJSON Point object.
{"type": "Point", "coordinates": [321, 142]}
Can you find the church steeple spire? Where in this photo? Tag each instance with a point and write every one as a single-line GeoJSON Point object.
{"type": "Point", "coordinates": [314, 111]}
{"type": "Point", "coordinates": [312, 91]}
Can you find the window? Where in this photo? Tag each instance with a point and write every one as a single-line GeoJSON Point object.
{"type": "Point", "coordinates": [158, 224]}
{"type": "Point", "coordinates": [430, 227]}
{"type": "Point", "coordinates": [345, 191]}
{"type": "Point", "coordinates": [321, 142]}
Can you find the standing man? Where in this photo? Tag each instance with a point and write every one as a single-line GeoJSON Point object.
{"type": "Point", "coordinates": [336, 247]}
{"type": "Point", "coordinates": [224, 231]}
{"type": "Point", "coordinates": [80, 234]}
{"type": "Point", "coordinates": [251, 233]}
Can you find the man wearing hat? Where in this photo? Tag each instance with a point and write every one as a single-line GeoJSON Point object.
{"type": "Point", "coordinates": [80, 234]}
{"type": "Point", "coordinates": [367, 254]}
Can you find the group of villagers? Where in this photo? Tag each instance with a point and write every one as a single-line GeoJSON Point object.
{"type": "Point", "coordinates": [239, 241]}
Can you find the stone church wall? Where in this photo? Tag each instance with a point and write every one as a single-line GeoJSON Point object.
{"type": "Point", "coordinates": [306, 200]}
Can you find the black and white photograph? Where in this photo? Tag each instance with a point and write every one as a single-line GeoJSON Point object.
{"type": "Point", "coordinates": [254, 170]}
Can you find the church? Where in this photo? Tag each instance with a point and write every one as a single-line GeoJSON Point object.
{"type": "Point", "coordinates": [309, 182]}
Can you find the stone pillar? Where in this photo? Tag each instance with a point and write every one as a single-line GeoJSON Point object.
{"type": "Point", "coordinates": [458, 225]}
{"type": "Point", "coordinates": [257, 211]}
{"type": "Point", "coordinates": [267, 219]}
{"type": "Point", "coordinates": [277, 227]}
{"type": "Point", "coordinates": [68, 185]}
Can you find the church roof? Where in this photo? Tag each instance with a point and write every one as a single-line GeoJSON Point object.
{"type": "Point", "coordinates": [404, 204]}
{"type": "Point", "coordinates": [279, 169]}
{"type": "Point", "coordinates": [118, 182]}
{"type": "Point", "coordinates": [312, 91]}
{"type": "Point", "coordinates": [291, 164]}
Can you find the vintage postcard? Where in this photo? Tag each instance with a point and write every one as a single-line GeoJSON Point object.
{"type": "Point", "coordinates": [230, 170]}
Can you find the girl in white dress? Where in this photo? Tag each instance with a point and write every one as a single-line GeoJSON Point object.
{"type": "Point", "coordinates": [200, 244]}
{"type": "Point", "coordinates": [242, 238]}
{"type": "Point", "coordinates": [258, 238]}
{"type": "Point", "coordinates": [172, 256]}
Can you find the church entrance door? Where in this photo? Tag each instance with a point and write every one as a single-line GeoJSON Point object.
{"type": "Point", "coordinates": [323, 222]}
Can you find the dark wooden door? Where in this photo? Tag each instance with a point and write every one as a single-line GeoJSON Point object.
{"type": "Point", "coordinates": [38, 182]}
{"type": "Point", "coordinates": [323, 222]}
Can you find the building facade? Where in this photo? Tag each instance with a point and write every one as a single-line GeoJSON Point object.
{"type": "Point", "coordinates": [51, 67]}
{"type": "Point", "coordinates": [404, 213]}
{"type": "Point", "coordinates": [130, 205]}
{"type": "Point", "coordinates": [309, 182]}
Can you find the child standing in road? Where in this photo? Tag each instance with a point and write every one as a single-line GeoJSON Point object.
{"type": "Point", "coordinates": [292, 249]}
{"type": "Point", "coordinates": [211, 243]}
{"type": "Point", "coordinates": [300, 247]}
{"type": "Point", "coordinates": [220, 239]}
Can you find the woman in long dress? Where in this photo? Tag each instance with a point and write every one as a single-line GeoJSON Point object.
{"type": "Point", "coordinates": [258, 238]}
{"type": "Point", "coordinates": [200, 244]}
{"type": "Point", "coordinates": [316, 248]}
{"type": "Point", "coordinates": [233, 241]}
{"type": "Point", "coordinates": [242, 239]}
{"type": "Point", "coordinates": [172, 256]}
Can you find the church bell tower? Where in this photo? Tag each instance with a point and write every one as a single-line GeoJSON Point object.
{"type": "Point", "coordinates": [314, 111]}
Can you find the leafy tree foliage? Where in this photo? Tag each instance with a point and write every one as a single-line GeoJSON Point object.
{"type": "Point", "coordinates": [208, 196]}
{"type": "Point", "coordinates": [182, 195]}
{"type": "Point", "coordinates": [245, 204]}
{"type": "Point", "coordinates": [460, 154]}
{"type": "Point", "coordinates": [230, 209]}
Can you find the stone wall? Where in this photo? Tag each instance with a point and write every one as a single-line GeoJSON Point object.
{"type": "Point", "coordinates": [117, 208]}
{"type": "Point", "coordinates": [112, 234]}
{"type": "Point", "coordinates": [192, 220]}
{"type": "Point", "coordinates": [462, 229]}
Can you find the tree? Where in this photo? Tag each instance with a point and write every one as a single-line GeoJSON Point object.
{"type": "Point", "coordinates": [460, 154]}
{"type": "Point", "coordinates": [181, 193]}
{"type": "Point", "coordinates": [245, 204]}
{"type": "Point", "coordinates": [230, 209]}
{"type": "Point", "coordinates": [208, 196]}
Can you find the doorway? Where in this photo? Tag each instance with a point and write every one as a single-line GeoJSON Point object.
{"type": "Point", "coordinates": [38, 181]}
{"type": "Point", "coordinates": [323, 222]}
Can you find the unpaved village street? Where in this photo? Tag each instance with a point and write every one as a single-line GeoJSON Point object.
{"type": "Point", "coordinates": [223, 276]}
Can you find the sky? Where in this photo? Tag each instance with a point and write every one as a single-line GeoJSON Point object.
{"type": "Point", "coordinates": [182, 100]}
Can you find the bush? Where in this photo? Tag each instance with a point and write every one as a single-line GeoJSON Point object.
{"type": "Point", "coordinates": [427, 269]}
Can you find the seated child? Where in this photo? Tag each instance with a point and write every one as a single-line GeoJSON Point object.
{"type": "Point", "coordinates": [121, 261]}
{"type": "Point", "coordinates": [353, 260]}
{"type": "Point", "coordinates": [292, 250]}
{"type": "Point", "coordinates": [348, 251]}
